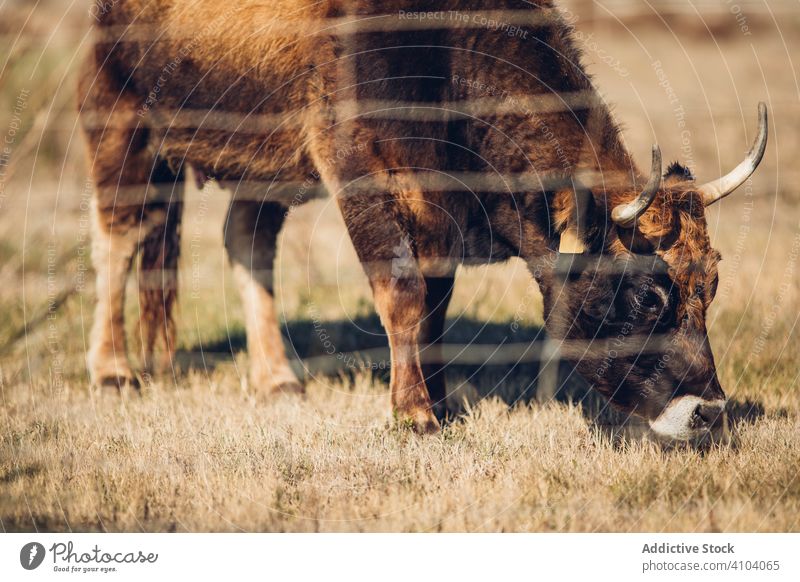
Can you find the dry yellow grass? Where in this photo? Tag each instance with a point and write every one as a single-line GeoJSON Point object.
{"type": "Point", "coordinates": [194, 453]}
{"type": "Point", "coordinates": [201, 457]}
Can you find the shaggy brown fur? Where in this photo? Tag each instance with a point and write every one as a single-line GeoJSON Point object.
{"type": "Point", "coordinates": [419, 129]}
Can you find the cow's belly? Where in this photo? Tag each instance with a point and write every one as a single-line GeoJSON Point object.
{"type": "Point", "coordinates": [263, 148]}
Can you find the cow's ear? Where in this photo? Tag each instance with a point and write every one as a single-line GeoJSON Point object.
{"type": "Point", "coordinates": [677, 173]}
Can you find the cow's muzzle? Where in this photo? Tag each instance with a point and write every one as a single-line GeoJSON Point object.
{"type": "Point", "coordinates": [690, 417]}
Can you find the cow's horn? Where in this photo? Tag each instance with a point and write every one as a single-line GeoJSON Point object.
{"type": "Point", "coordinates": [721, 187]}
{"type": "Point", "coordinates": [625, 215]}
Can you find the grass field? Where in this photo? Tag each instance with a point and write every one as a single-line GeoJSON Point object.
{"type": "Point", "coordinates": [195, 453]}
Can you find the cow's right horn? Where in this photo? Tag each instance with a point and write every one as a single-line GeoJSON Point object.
{"type": "Point", "coordinates": [625, 215]}
{"type": "Point", "coordinates": [721, 187]}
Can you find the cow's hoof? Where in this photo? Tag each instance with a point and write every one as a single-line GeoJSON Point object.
{"type": "Point", "coordinates": [277, 392]}
{"type": "Point", "coordinates": [429, 426]}
{"type": "Point", "coordinates": [119, 382]}
{"type": "Point", "coordinates": [422, 422]}
{"type": "Point", "coordinates": [295, 388]}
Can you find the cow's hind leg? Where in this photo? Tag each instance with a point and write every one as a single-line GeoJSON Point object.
{"type": "Point", "coordinates": [251, 234]}
{"type": "Point", "coordinates": [122, 226]}
{"type": "Point", "coordinates": [158, 271]}
{"type": "Point", "coordinates": [113, 249]}
{"type": "Point", "coordinates": [135, 196]}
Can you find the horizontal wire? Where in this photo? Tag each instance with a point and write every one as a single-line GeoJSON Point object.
{"type": "Point", "coordinates": [399, 21]}
{"type": "Point", "coordinates": [257, 123]}
{"type": "Point", "coordinates": [492, 354]}
{"type": "Point", "coordinates": [295, 192]}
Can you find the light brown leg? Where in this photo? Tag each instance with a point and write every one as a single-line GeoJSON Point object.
{"type": "Point", "coordinates": [251, 235]}
{"type": "Point", "coordinates": [113, 248]}
{"type": "Point", "coordinates": [398, 288]}
{"type": "Point", "coordinates": [131, 200]}
{"type": "Point", "coordinates": [400, 302]}
{"type": "Point", "coordinates": [379, 215]}
{"type": "Point", "coordinates": [133, 189]}
{"type": "Point", "coordinates": [112, 255]}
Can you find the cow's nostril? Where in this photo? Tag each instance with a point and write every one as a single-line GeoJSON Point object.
{"type": "Point", "coordinates": [697, 420]}
{"type": "Point", "coordinates": [707, 414]}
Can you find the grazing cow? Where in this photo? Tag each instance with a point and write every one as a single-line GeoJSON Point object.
{"type": "Point", "coordinates": [468, 134]}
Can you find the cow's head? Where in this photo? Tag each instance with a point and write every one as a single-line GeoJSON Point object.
{"type": "Point", "coordinates": [631, 308]}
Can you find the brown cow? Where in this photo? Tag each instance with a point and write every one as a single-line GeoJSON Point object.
{"type": "Point", "coordinates": [467, 134]}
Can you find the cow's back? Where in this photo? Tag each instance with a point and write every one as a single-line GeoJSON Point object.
{"type": "Point", "coordinates": [240, 89]}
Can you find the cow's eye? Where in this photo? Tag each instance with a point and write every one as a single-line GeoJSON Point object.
{"type": "Point", "coordinates": [650, 301]}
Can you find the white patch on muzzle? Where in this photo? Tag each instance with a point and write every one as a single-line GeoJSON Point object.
{"type": "Point", "coordinates": [677, 419]}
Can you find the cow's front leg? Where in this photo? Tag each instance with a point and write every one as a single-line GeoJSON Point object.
{"type": "Point", "coordinates": [400, 302]}
{"type": "Point", "coordinates": [398, 286]}
{"type": "Point", "coordinates": [439, 290]}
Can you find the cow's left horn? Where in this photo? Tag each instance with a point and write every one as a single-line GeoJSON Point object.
{"type": "Point", "coordinates": [625, 215]}
{"type": "Point", "coordinates": [721, 187]}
